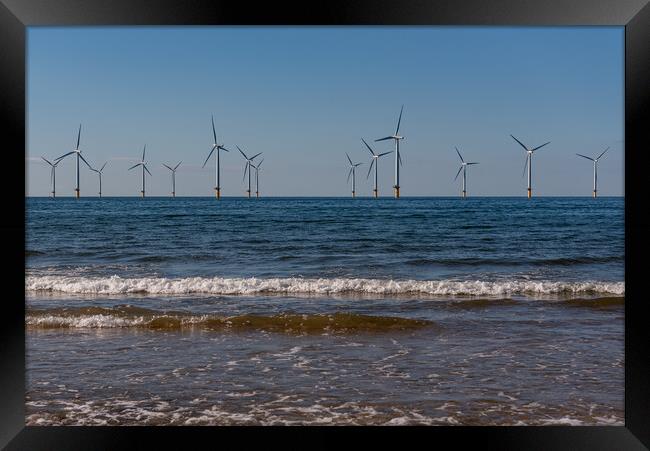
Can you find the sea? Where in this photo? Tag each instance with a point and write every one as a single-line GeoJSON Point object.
{"type": "Point", "coordinates": [324, 311]}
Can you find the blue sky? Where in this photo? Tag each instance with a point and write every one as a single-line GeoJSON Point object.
{"type": "Point", "coordinates": [304, 96]}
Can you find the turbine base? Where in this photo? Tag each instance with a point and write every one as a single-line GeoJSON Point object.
{"type": "Point", "coordinates": [530, 193]}
{"type": "Point", "coordinates": [76, 193]}
{"type": "Point", "coordinates": [142, 194]}
{"type": "Point", "coordinates": [376, 193]}
{"type": "Point", "coordinates": [396, 192]}
{"type": "Point", "coordinates": [464, 194]}
{"type": "Point", "coordinates": [354, 194]}
{"type": "Point", "coordinates": [595, 195]}
{"type": "Point", "coordinates": [217, 192]}
{"type": "Point", "coordinates": [257, 194]}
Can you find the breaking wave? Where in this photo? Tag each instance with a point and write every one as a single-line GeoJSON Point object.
{"type": "Point", "coordinates": [116, 285]}
{"type": "Point", "coordinates": [136, 317]}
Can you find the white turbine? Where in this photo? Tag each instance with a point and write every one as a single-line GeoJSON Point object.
{"type": "Point", "coordinates": [100, 177]}
{"type": "Point", "coordinates": [595, 160]}
{"type": "Point", "coordinates": [78, 153]}
{"type": "Point", "coordinates": [52, 174]}
{"type": "Point", "coordinates": [257, 177]}
{"type": "Point", "coordinates": [144, 168]}
{"type": "Point", "coordinates": [353, 168]}
{"type": "Point", "coordinates": [529, 163]}
{"type": "Point", "coordinates": [463, 167]}
{"type": "Point", "coordinates": [218, 147]}
{"type": "Point", "coordinates": [375, 161]}
{"type": "Point", "coordinates": [173, 176]}
{"type": "Point", "coordinates": [249, 162]}
{"type": "Point", "coordinates": [398, 158]}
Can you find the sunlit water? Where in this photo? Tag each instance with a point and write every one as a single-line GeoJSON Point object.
{"type": "Point", "coordinates": [325, 311]}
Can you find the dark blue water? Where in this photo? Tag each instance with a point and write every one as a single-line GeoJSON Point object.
{"type": "Point", "coordinates": [139, 311]}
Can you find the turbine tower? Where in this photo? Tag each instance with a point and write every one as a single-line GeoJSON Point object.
{"type": "Point", "coordinates": [352, 173]}
{"type": "Point", "coordinates": [398, 158]}
{"type": "Point", "coordinates": [144, 168]}
{"type": "Point", "coordinates": [218, 147]}
{"type": "Point", "coordinates": [595, 160]}
{"type": "Point", "coordinates": [463, 167]}
{"type": "Point", "coordinates": [173, 176]}
{"type": "Point", "coordinates": [52, 175]}
{"type": "Point", "coordinates": [78, 153]}
{"type": "Point", "coordinates": [529, 163]}
{"type": "Point", "coordinates": [375, 161]}
{"type": "Point", "coordinates": [100, 177]}
{"type": "Point", "coordinates": [249, 162]}
{"type": "Point", "coordinates": [257, 178]}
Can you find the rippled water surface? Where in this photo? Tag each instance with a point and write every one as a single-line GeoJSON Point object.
{"type": "Point", "coordinates": [325, 311]}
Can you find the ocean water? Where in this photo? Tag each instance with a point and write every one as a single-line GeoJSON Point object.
{"type": "Point", "coordinates": [192, 311]}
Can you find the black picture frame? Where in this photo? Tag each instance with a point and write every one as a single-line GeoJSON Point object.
{"type": "Point", "coordinates": [634, 15]}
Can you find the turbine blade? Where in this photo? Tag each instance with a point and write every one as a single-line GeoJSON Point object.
{"type": "Point", "coordinates": [245, 169]}
{"type": "Point", "coordinates": [371, 151]}
{"type": "Point", "coordinates": [602, 154]}
{"type": "Point", "coordinates": [63, 156]}
{"type": "Point", "coordinates": [383, 139]}
{"type": "Point", "coordinates": [44, 159]}
{"type": "Point", "coordinates": [179, 163]}
{"type": "Point", "coordinates": [103, 166]}
{"type": "Point", "coordinates": [385, 153]}
{"type": "Point", "coordinates": [78, 137]}
{"type": "Point", "coordinates": [461, 168]}
{"type": "Point", "coordinates": [209, 155]}
{"type": "Point", "coordinates": [241, 151]}
{"type": "Point", "coordinates": [475, 162]}
{"type": "Point", "coordinates": [525, 165]}
{"type": "Point", "coordinates": [358, 164]}
{"type": "Point", "coordinates": [135, 166]}
{"type": "Point", "coordinates": [214, 132]}
{"type": "Point", "coordinates": [223, 148]}
{"type": "Point", "coordinates": [84, 160]}
{"type": "Point", "coordinates": [461, 157]}
{"type": "Point", "coordinates": [145, 168]}
{"type": "Point", "coordinates": [370, 168]}
{"type": "Point", "coordinates": [256, 155]}
{"type": "Point", "coordinates": [143, 151]}
{"type": "Point", "coordinates": [584, 156]}
{"type": "Point", "coordinates": [399, 121]}
{"type": "Point", "coordinates": [520, 143]}
{"type": "Point", "coordinates": [167, 167]}
{"type": "Point", "coordinates": [346, 154]}
{"type": "Point", "coordinates": [349, 174]}
{"type": "Point", "coordinates": [539, 147]}
{"type": "Point", "coordinates": [260, 163]}
{"type": "Point", "coordinates": [399, 158]}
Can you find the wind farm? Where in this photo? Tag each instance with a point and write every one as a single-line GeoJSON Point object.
{"type": "Point", "coordinates": [374, 161]}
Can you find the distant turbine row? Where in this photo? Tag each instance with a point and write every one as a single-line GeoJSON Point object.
{"type": "Point", "coordinates": [250, 165]}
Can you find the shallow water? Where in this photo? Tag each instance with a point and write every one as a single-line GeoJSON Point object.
{"type": "Point", "coordinates": [325, 311]}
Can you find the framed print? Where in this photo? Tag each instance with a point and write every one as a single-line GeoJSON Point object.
{"type": "Point", "coordinates": [428, 216]}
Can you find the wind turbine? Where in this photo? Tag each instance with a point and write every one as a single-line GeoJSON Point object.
{"type": "Point", "coordinates": [100, 177]}
{"type": "Point", "coordinates": [463, 167]}
{"type": "Point", "coordinates": [173, 176]}
{"type": "Point", "coordinates": [595, 160]}
{"type": "Point", "coordinates": [375, 161]}
{"type": "Point", "coordinates": [352, 173]}
{"type": "Point", "coordinates": [218, 147]}
{"type": "Point", "coordinates": [249, 162]}
{"type": "Point", "coordinates": [78, 153]}
{"type": "Point", "coordinates": [398, 158]}
{"type": "Point", "coordinates": [52, 175]}
{"type": "Point", "coordinates": [144, 168]}
{"type": "Point", "coordinates": [529, 163]}
{"type": "Point", "coordinates": [257, 178]}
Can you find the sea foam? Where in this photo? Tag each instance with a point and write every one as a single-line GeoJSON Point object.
{"type": "Point", "coordinates": [116, 285]}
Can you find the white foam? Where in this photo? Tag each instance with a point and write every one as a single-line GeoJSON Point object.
{"type": "Point", "coordinates": [293, 285]}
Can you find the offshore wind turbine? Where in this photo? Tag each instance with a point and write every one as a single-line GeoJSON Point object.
{"type": "Point", "coordinates": [52, 174]}
{"type": "Point", "coordinates": [375, 161]}
{"type": "Point", "coordinates": [353, 167]}
{"type": "Point", "coordinates": [100, 177]}
{"type": "Point", "coordinates": [398, 159]}
{"type": "Point", "coordinates": [173, 176]}
{"type": "Point", "coordinates": [78, 153]}
{"type": "Point", "coordinates": [529, 163]}
{"type": "Point", "coordinates": [463, 167]}
{"type": "Point", "coordinates": [144, 168]}
{"type": "Point", "coordinates": [218, 147]}
{"type": "Point", "coordinates": [257, 178]}
{"type": "Point", "coordinates": [595, 160]}
{"type": "Point", "coordinates": [249, 162]}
